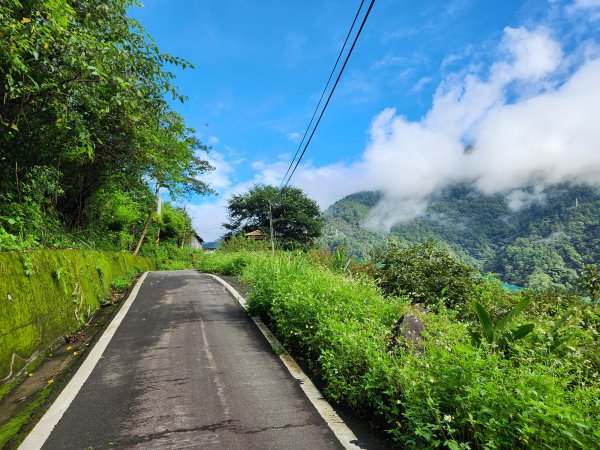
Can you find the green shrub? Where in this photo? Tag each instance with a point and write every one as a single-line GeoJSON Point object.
{"type": "Point", "coordinates": [497, 334]}
{"type": "Point", "coordinates": [428, 274]}
{"type": "Point", "coordinates": [223, 262]}
{"type": "Point", "coordinates": [456, 393]}
{"type": "Point", "coordinates": [238, 243]}
{"type": "Point", "coordinates": [169, 256]}
{"type": "Point", "coordinates": [121, 283]}
{"type": "Point", "coordinates": [589, 282]}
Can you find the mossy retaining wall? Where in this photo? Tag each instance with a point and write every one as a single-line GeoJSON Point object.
{"type": "Point", "coordinates": [46, 294]}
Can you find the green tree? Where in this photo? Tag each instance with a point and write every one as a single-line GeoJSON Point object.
{"type": "Point", "coordinates": [85, 92]}
{"type": "Point", "coordinates": [589, 282]}
{"type": "Point", "coordinates": [296, 218]}
{"type": "Point", "coordinates": [175, 225]}
{"type": "Point", "coordinates": [427, 273]}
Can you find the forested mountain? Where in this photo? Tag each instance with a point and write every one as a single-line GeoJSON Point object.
{"type": "Point", "coordinates": [545, 243]}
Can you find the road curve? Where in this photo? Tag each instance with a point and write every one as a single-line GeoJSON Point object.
{"type": "Point", "coordinates": [188, 369]}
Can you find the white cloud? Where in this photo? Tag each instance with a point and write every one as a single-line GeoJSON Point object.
{"type": "Point", "coordinates": [551, 138]}
{"type": "Point", "coordinates": [325, 184]}
{"type": "Point", "coordinates": [463, 100]}
{"type": "Point", "coordinates": [207, 219]}
{"type": "Point", "coordinates": [539, 139]}
{"type": "Point", "coordinates": [548, 135]}
{"type": "Point", "coordinates": [520, 199]}
{"type": "Point", "coordinates": [258, 165]}
{"type": "Point", "coordinates": [589, 7]}
{"type": "Point", "coordinates": [421, 84]}
{"type": "Point", "coordinates": [530, 120]}
{"type": "Point", "coordinates": [220, 178]}
{"type": "Point", "coordinates": [294, 137]}
{"type": "Point", "coordinates": [531, 55]}
{"type": "Point", "coordinates": [586, 4]}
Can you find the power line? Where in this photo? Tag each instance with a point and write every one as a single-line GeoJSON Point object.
{"type": "Point", "coordinates": [324, 91]}
{"type": "Point", "coordinates": [331, 93]}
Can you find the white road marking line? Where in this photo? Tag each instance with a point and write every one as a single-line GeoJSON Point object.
{"type": "Point", "coordinates": [40, 433]}
{"type": "Point", "coordinates": [346, 437]}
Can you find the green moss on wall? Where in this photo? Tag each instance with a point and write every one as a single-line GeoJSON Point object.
{"type": "Point", "coordinates": [45, 294]}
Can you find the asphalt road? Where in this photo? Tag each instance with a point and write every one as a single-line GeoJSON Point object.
{"type": "Point", "coordinates": [188, 369]}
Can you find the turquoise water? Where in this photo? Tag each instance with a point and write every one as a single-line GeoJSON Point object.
{"type": "Point", "coordinates": [511, 287]}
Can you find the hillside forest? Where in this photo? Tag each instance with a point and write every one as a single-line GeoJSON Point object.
{"type": "Point", "coordinates": [545, 244]}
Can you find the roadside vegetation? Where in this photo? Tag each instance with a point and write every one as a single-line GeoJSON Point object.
{"type": "Point", "coordinates": [89, 140]}
{"type": "Point", "coordinates": [491, 370]}
{"type": "Point", "coordinates": [88, 136]}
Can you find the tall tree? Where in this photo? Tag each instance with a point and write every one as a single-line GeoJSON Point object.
{"type": "Point", "coordinates": [84, 91]}
{"type": "Point", "coordinates": [296, 218]}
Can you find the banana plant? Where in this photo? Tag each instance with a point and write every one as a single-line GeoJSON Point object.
{"type": "Point", "coordinates": [341, 259]}
{"type": "Point", "coordinates": [498, 335]}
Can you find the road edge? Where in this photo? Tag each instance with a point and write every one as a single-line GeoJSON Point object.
{"type": "Point", "coordinates": [42, 430]}
{"type": "Point", "coordinates": [339, 428]}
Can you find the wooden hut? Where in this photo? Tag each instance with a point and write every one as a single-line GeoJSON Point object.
{"type": "Point", "coordinates": [256, 235]}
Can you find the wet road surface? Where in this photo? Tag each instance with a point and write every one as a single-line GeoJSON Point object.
{"type": "Point", "coordinates": [188, 369]}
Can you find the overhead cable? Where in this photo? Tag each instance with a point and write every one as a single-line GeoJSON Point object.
{"type": "Point", "coordinates": [324, 91]}
{"type": "Point", "coordinates": [331, 93]}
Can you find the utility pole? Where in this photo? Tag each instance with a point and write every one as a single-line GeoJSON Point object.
{"type": "Point", "coordinates": [271, 225]}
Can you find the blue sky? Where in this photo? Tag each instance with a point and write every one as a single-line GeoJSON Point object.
{"type": "Point", "coordinates": [425, 78]}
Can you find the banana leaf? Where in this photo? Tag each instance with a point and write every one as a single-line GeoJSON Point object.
{"type": "Point", "coordinates": [520, 332]}
{"type": "Point", "coordinates": [517, 309]}
{"type": "Point", "coordinates": [487, 327]}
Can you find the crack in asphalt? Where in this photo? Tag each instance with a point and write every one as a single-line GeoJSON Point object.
{"type": "Point", "coordinates": [162, 434]}
{"type": "Point", "coordinates": [219, 426]}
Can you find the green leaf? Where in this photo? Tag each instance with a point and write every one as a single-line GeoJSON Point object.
{"type": "Point", "coordinates": [486, 322]}
{"type": "Point", "coordinates": [452, 445]}
{"type": "Point", "coordinates": [517, 309]}
{"type": "Point", "coordinates": [520, 332]}
{"type": "Point", "coordinates": [475, 337]}
{"type": "Point", "coordinates": [559, 323]}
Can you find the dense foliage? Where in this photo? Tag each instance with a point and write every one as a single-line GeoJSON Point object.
{"type": "Point", "coordinates": [87, 136]}
{"type": "Point", "coordinates": [296, 218]}
{"type": "Point", "coordinates": [428, 274]}
{"type": "Point", "coordinates": [539, 391]}
{"type": "Point", "coordinates": [541, 245]}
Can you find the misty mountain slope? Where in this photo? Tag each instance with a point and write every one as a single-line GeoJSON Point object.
{"type": "Point", "coordinates": [544, 243]}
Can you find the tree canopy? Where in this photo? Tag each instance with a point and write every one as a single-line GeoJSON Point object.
{"type": "Point", "coordinates": [296, 218]}
{"type": "Point", "coordinates": [86, 101]}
